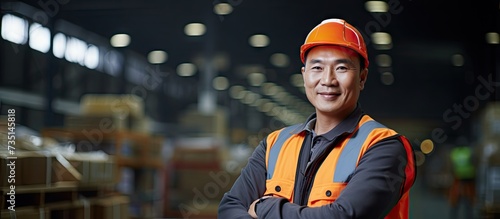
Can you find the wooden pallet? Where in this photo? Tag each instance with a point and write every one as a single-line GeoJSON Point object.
{"type": "Point", "coordinates": [94, 208]}
{"type": "Point", "coordinates": [40, 196]}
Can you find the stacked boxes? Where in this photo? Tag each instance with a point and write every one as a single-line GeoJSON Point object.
{"type": "Point", "coordinates": [45, 169]}
{"type": "Point", "coordinates": [26, 214]}
{"type": "Point", "coordinates": [48, 185]}
{"type": "Point", "coordinates": [91, 169]}
{"type": "Point", "coordinates": [115, 125]}
{"type": "Point", "coordinates": [123, 112]}
{"type": "Point", "coordinates": [29, 168]}
{"type": "Point", "coordinates": [197, 180]}
{"type": "Point", "coordinates": [111, 207]}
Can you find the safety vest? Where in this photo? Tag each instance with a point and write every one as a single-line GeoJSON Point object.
{"type": "Point", "coordinates": [283, 151]}
{"type": "Point", "coordinates": [461, 158]}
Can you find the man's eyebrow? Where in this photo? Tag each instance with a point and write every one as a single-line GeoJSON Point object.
{"type": "Point", "coordinates": [347, 61]}
{"type": "Point", "coordinates": [314, 61]}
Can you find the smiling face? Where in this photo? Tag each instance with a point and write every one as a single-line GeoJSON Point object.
{"type": "Point", "coordinates": [333, 80]}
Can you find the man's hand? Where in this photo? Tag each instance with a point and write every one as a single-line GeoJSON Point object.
{"type": "Point", "coordinates": [251, 209]}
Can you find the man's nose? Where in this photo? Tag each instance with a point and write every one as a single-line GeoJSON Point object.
{"type": "Point", "coordinates": [328, 78]}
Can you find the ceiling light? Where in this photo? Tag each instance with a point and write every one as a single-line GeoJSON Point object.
{"type": "Point", "coordinates": [260, 103]}
{"type": "Point", "coordinates": [120, 40]}
{"type": "Point", "coordinates": [256, 78]}
{"type": "Point", "coordinates": [75, 50]}
{"type": "Point", "coordinates": [297, 80]}
{"type": "Point", "coordinates": [59, 45]}
{"type": "Point", "coordinates": [427, 146]}
{"type": "Point", "coordinates": [186, 69]}
{"type": "Point", "coordinates": [267, 107]}
{"type": "Point", "coordinates": [381, 40]}
{"type": "Point", "coordinates": [281, 96]}
{"type": "Point", "coordinates": [387, 78]}
{"type": "Point", "coordinates": [92, 57]}
{"type": "Point", "coordinates": [195, 29]}
{"type": "Point", "coordinates": [223, 9]}
{"type": "Point", "coordinates": [242, 94]}
{"type": "Point", "coordinates": [271, 89]}
{"type": "Point", "coordinates": [277, 110]}
{"type": "Point", "coordinates": [268, 88]}
{"type": "Point", "coordinates": [457, 60]}
{"type": "Point", "coordinates": [376, 6]}
{"type": "Point", "coordinates": [384, 60]}
{"type": "Point", "coordinates": [492, 38]}
{"type": "Point", "coordinates": [157, 57]}
{"type": "Point", "coordinates": [250, 98]}
{"type": "Point", "coordinates": [220, 83]}
{"type": "Point", "coordinates": [257, 103]}
{"type": "Point", "coordinates": [280, 60]}
{"type": "Point", "coordinates": [14, 29]}
{"type": "Point", "coordinates": [259, 40]}
{"type": "Point", "coordinates": [39, 38]}
{"type": "Point", "coordinates": [236, 91]}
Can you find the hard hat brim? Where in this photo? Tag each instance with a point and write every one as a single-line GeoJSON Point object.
{"type": "Point", "coordinates": [304, 49]}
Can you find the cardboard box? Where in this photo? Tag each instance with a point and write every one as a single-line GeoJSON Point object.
{"type": "Point", "coordinates": [111, 104]}
{"type": "Point", "coordinates": [28, 168]}
{"type": "Point", "coordinates": [111, 207]}
{"type": "Point", "coordinates": [5, 171]}
{"type": "Point", "coordinates": [37, 169]}
{"type": "Point", "coordinates": [101, 123]}
{"type": "Point", "coordinates": [196, 155]}
{"type": "Point", "coordinates": [26, 214]}
{"type": "Point", "coordinates": [89, 169]}
{"type": "Point", "coordinates": [196, 123]}
{"type": "Point", "coordinates": [76, 210]}
{"type": "Point", "coordinates": [43, 168]}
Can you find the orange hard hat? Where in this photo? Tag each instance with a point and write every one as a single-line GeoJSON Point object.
{"type": "Point", "coordinates": [335, 32]}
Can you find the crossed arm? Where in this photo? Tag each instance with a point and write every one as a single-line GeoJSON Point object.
{"type": "Point", "coordinates": [374, 189]}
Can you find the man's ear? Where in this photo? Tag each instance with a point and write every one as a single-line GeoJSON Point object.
{"type": "Point", "coordinates": [362, 78]}
{"type": "Point", "coordinates": [303, 69]}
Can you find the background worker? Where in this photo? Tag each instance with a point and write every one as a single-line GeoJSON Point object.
{"type": "Point", "coordinates": [340, 163]}
{"type": "Point", "coordinates": [464, 186]}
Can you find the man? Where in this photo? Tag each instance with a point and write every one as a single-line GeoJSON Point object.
{"type": "Point", "coordinates": [463, 187]}
{"type": "Point", "coordinates": [340, 163]}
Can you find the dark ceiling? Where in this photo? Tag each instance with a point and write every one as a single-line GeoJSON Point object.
{"type": "Point", "coordinates": [425, 35]}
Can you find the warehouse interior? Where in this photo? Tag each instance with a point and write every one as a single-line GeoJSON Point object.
{"type": "Point", "coordinates": [149, 109]}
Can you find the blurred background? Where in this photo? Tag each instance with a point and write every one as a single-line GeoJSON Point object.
{"type": "Point", "coordinates": [149, 109]}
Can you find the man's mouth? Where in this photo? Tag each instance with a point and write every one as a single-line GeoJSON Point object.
{"type": "Point", "coordinates": [329, 95]}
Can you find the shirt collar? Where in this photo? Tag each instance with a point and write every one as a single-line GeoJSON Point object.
{"type": "Point", "coordinates": [348, 125]}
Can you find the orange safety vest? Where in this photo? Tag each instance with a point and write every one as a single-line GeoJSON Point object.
{"type": "Point", "coordinates": [283, 152]}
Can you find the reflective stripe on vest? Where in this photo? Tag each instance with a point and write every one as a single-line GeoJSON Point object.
{"type": "Point", "coordinates": [285, 134]}
{"type": "Point", "coordinates": [349, 156]}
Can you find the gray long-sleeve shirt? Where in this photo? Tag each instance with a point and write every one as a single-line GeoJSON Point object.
{"type": "Point", "coordinates": [372, 190]}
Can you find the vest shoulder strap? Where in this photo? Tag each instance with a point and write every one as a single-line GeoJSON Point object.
{"type": "Point", "coordinates": [348, 158]}
{"type": "Point", "coordinates": [275, 148]}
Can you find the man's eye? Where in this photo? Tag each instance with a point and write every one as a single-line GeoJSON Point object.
{"type": "Point", "coordinates": [316, 68]}
{"type": "Point", "coordinates": [342, 69]}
